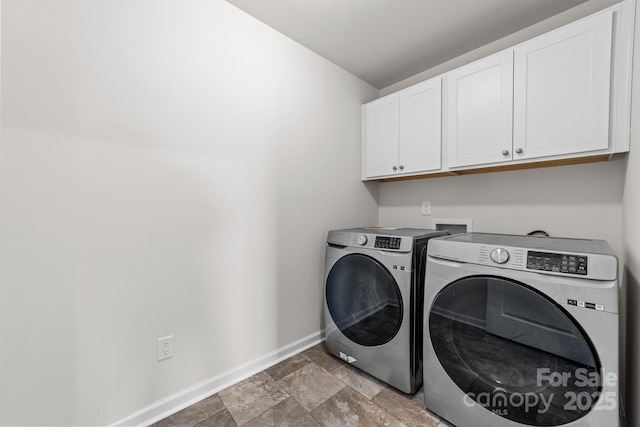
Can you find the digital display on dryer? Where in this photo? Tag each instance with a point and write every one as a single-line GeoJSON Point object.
{"type": "Point", "coordinates": [558, 263]}
{"type": "Point", "coordinates": [384, 242]}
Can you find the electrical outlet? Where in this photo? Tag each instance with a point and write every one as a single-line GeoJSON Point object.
{"type": "Point", "coordinates": [165, 347]}
{"type": "Point", "coordinates": [426, 208]}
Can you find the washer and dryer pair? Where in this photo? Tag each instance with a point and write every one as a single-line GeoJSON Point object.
{"type": "Point", "coordinates": [516, 330]}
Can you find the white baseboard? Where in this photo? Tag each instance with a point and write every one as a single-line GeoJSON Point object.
{"type": "Point", "coordinates": [187, 397]}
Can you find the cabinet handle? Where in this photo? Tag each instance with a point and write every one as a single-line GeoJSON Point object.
{"type": "Point", "coordinates": [395, 168]}
{"type": "Point", "coordinates": [505, 152]}
{"type": "Point", "coordinates": [519, 150]}
{"type": "Point", "coordinates": [401, 167]}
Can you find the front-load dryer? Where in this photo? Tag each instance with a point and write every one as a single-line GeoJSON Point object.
{"type": "Point", "coordinates": [521, 330]}
{"type": "Point", "coordinates": [374, 284]}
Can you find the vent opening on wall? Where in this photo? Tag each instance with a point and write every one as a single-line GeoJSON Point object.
{"type": "Point", "coordinates": [453, 226]}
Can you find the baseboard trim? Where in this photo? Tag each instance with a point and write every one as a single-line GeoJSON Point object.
{"type": "Point", "coordinates": [184, 398]}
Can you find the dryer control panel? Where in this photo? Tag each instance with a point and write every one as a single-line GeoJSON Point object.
{"type": "Point", "coordinates": [580, 259]}
{"type": "Point", "coordinates": [558, 263]}
{"type": "Point", "coordinates": [386, 242]}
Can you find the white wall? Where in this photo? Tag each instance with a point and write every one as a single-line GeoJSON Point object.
{"type": "Point", "coordinates": [631, 227]}
{"type": "Point", "coordinates": [566, 17]}
{"type": "Point", "coordinates": [167, 167]}
{"type": "Point", "coordinates": [583, 201]}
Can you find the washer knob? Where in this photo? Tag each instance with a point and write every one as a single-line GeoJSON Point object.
{"type": "Point", "coordinates": [499, 256]}
{"type": "Point", "coordinates": [362, 240]}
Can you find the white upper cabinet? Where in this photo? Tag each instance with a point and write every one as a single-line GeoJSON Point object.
{"type": "Point", "coordinates": [562, 97]}
{"type": "Point", "coordinates": [402, 131]}
{"type": "Point", "coordinates": [479, 112]}
{"type": "Point", "coordinates": [420, 127]}
{"type": "Point", "coordinates": [562, 90]}
{"type": "Point", "coordinates": [380, 147]}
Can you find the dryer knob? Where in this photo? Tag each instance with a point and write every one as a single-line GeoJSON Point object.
{"type": "Point", "coordinates": [362, 240]}
{"type": "Point", "coordinates": [499, 256]}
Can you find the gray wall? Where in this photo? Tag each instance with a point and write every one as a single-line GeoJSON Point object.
{"type": "Point", "coordinates": [166, 168]}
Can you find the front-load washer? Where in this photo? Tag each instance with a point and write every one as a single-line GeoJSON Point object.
{"type": "Point", "coordinates": [374, 284]}
{"type": "Point", "coordinates": [521, 330]}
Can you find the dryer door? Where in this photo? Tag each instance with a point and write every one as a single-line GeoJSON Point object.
{"type": "Point", "coordinates": [364, 300]}
{"type": "Point", "coordinates": [514, 351]}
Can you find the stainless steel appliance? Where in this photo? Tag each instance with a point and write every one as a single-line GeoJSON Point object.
{"type": "Point", "coordinates": [521, 330]}
{"type": "Point", "coordinates": [374, 284]}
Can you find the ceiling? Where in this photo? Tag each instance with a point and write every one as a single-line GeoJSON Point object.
{"type": "Point", "coordinates": [386, 41]}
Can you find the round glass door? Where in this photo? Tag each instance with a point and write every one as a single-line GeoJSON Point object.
{"type": "Point", "coordinates": [514, 351]}
{"type": "Point", "coordinates": [364, 300]}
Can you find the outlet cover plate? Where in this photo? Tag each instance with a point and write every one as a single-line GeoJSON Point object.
{"type": "Point", "coordinates": [426, 208]}
{"type": "Point", "coordinates": [165, 347]}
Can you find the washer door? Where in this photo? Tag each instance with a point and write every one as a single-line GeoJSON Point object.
{"type": "Point", "coordinates": [364, 300]}
{"type": "Point", "coordinates": [514, 351]}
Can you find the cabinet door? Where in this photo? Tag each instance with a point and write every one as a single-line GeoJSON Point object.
{"type": "Point", "coordinates": [381, 137]}
{"type": "Point", "coordinates": [421, 127]}
{"type": "Point", "coordinates": [561, 90]}
{"type": "Point", "coordinates": [480, 107]}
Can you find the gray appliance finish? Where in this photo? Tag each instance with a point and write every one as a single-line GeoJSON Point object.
{"type": "Point", "coordinates": [373, 295]}
{"type": "Point", "coordinates": [521, 330]}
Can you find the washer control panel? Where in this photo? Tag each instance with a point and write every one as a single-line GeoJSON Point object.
{"type": "Point", "coordinates": [557, 263]}
{"type": "Point", "coordinates": [381, 243]}
{"type": "Point", "coordinates": [386, 242]}
{"type": "Point", "coordinates": [571, 258]}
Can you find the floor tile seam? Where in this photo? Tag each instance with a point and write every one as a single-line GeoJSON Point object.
{"type": "Point", "coordinates": [316, 410]}
{"type": "Point", "coordinates": [391, 389]}
{"type": "Point", "coordinates": [297, 401]}
{"type": "Point", "coordinates": [308, 363]}
{"type": "Point", "coordinates": [319, 421]}
{"type": "Point", "coordinates": [275, 406]}
{"type": "Point", "coordinates": [324, 401]}
{"type": "Point", "coordinates": [370, 400]}
{"type": "Point", "coordinates": [388, 415]}
{"type": "Point", "coordinates": [227, 409]}
{"type": "Point", "coordinates": [358, 391]}
{"type": "Point", "coordinates": [383, 384]}
{"type": "Point", "coordinates": [200, 411]}
{"type": "Point", "coordinates": [248, 421]}
{"type": "Point", "coordinates": [263, 412]}
{"type": "Point", "coordinates": [224, 407]}
{"type": "Point", "coordinates": [306, 358]}
{"type": "Point", "coordinates": [319, 363]}
{"type": "Point", "coordinates": [217, 413]}
{"type": "Point", "coordinates": [336, 377]}
{"type": "Point", "coordinates": [293, 396]}
{"type": "Point", "coordinates": [338, 365]}
{"type": "Point", "coordinates": [302, 367]}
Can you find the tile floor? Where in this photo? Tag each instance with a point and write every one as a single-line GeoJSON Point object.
{"type": "Point", "coordinates": [312, 388]}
